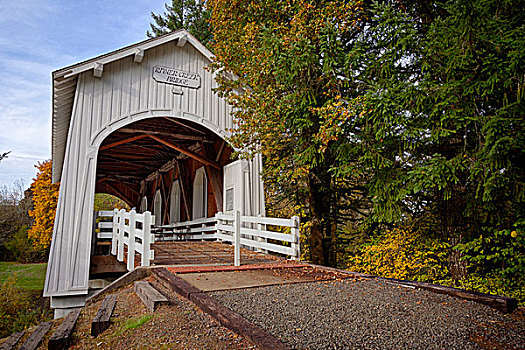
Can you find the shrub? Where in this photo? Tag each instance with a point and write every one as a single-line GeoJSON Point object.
{"type": "Point", "coordinates": [19, 309]}
{"type": "Point", "coordinates": [496, 262]}
{"type": "Point", "coordinates": [21, 247]}
{"type": "Point", "coordinates": [402, 253]}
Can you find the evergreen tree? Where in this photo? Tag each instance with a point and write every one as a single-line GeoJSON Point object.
{"type": "Point", "coordinates": [192, 15]}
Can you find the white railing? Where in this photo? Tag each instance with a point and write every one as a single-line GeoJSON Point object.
{"type": "Point", "coordinates": [126, 235]}
{"type": "Point", "coordinates": [197, 229]}
{"type": "Point", "coordinates": [248, 231]}
{"type": "Point", "coordinates": [235, 228]}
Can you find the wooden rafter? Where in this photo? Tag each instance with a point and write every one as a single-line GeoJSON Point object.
{"type": "Point", "coordinates": [121, 142]}
{"type": "Point", "coordinates": [186, 152]}
{"type": "Point", "coordinates": [120, 195]}
{"type": "Point", "coordinates": [219, 153]}
{"type": "Point", "coordinates": [124, 185]}
{"type": "Point", "coordinates": [185, 126]}
{"type": "Point", "coordinates": [162, 133]}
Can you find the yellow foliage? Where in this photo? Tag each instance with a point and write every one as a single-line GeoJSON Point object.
{"type": "Point", "coordinates": [45, 197]}
{"type": "Point", "coordinates": [404, 254]}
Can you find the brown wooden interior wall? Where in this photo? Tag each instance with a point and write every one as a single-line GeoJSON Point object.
{"type": "Point", "coordinates": [146, 156]}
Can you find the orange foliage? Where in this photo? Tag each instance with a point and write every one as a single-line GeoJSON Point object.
{"type": "Point", "coordinates": [45, 196]}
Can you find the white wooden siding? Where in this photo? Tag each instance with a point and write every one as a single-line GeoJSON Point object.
{"type": "Point", "coordinates": [125, 93]}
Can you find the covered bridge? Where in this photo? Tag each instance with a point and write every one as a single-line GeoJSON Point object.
{"type": "Point", "coordinates": [141, 123]}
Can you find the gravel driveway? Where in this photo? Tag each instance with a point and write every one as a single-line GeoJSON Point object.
{"type": "Point", "coordinates": [370, 314]}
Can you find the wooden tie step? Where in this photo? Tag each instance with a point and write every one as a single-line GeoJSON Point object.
{"type": "Point", "coordinates": [226, 317]}
{"type": "Point", "coordinates": [36, 337]}
{"type": "Point", "coordinates": [149, 295]}
{"type": "Point", "coordinates": [101, 321]}
{"type": "Point", "coordinates": [12, 340]}
{"type": "Point", "coordinates": [61, 339]}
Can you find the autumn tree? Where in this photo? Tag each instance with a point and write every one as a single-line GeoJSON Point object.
{"type": "Point", "coordinates": [45, 197]}
{"type": "Point", "coordinates": [192, 15]}
{"type": "Point", "coordinates": [279, 65]}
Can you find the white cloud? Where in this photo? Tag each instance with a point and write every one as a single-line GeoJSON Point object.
{"type": "Point", "coordinates": [38, 37]}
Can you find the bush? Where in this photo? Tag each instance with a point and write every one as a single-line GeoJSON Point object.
{"type": "Point", "coordinates": [402, 253]}
{"type": "Point", "coordinates": [21, 247]}
{"type": "Point", "coordinates": [495, 259]}
{"type": "Point", "coordinates": [19, 309]}
{"type": "Point", "coordinates": [496, 262]}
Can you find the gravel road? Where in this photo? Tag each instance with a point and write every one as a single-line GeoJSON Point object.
{"type": "Point", "coordinates": [370, 314]}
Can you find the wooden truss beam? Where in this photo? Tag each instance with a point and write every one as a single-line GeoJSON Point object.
{"type": "Point", "coordinates": [121, 142]}
{"type": "Point", "coordinates": [120, 195]}
{"type": "Point", "coordinates": [162, 133]}
{"type": "Point", "coordinates": [185, 126]}
{"type": "Point", "coordinates": [120, 182]}
{"type": "Point", "coordinates": [187, 152]}
{"type": "Point", "coordinates": [215, 180]}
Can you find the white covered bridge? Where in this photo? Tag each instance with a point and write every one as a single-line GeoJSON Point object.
{"type": "Point", "coordinates": [143, 123]}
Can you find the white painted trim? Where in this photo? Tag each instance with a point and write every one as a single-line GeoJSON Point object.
{"type": "Point", "coordinates": [200, 194]}
{"type": "Point", "coordinates": [157, 208]}
{"type": "Point", "coordinates": [132, 50]}
{"type": "Point", "coordinates": [175, 201]}
{"type": "Point", "coordinates": [100, 136]}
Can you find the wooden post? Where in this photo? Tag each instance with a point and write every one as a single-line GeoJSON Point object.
{"type": "Point", "coordinates": [296, 245]}
{"type": "Point", "coordinates": [131, 240]}
{"type": "Point", "coordinates": [237, 238]}
{"type": "Point", "coordinates": [260, 227]}
{"type": "Point", "coordinates": [122, 222]}
{"type": "Point", "coordinates": [219, 221]}
{"type": "Point", "coordinates": [146, 240]}
{"type": "Point", "coordinates": [94, 236]}
{"type": "Point", "coordinates": [114, 237]}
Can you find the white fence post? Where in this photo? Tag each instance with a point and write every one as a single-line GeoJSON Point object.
{"type": "Point", "coordinates": [237, 238]}
{"type": "Point", "coordinates": [122, 222]}
{"type": "Point", "coordinates": [146, 239]}
{"type": "Point", "coordinates": [259, 238]}
{"type": "Point", "coordinates": [296, 245]}
{"type": "Point", "coordinates": [114, 238]}
{"type": "Point", "coordinates": [131, 240]}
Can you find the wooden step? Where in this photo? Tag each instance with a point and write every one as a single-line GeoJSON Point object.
{"type": "Point", "coordinates": [149, 295]}
{"type": "Point", "coordinates": [36, 337]}
{"type": "Point", "coordinates": [12, 340]}
{"type": "Point", "coordinates": [61, 339]}
{"type": "Point", "coordinates": [101, 322]}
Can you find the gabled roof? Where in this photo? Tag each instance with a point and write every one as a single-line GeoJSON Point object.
{"type": "Point", "coordinates": [65, 83]}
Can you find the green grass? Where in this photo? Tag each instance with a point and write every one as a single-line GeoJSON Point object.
{"type": "Point", "coordinates": [29, 277]}
{"type": "Point", "coordinates": [137, 322]}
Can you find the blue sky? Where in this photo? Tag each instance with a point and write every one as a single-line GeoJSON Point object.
{"type": "Point", "coordinates": [38, 37]}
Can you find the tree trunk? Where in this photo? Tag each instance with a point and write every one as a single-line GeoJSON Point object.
{"type": "Point", "coordinates": [320, 204]}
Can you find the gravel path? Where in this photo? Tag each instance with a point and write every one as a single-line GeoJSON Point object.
{"type": "Point", "coordinates": [370, 314]}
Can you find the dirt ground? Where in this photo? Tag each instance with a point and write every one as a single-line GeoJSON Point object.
{"type": "Point", "coordinates": [179, 325]}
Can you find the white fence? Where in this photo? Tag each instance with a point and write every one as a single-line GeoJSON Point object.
{"type": "Point", "coordinates": [126, 233]}
{"type": "Point", "coordinates": [248, 231]}
{"type": "Point", "coordinates": [236, 229]}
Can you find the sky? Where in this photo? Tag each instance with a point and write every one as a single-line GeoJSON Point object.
{"type": "Point", "coordinates": [38, 37]}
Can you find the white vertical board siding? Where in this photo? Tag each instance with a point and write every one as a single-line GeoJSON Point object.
{"type": "Point", "coordinates": [125, 93]}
